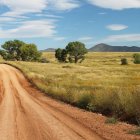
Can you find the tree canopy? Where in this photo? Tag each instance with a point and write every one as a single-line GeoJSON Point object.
{"type": "Point", "coordinates": [29, 52]}
{"type": "Point", "coordinates": [18, 50]}
{"type": "Point", "coordinates": [76, 51]}
{"type": "Point", "coordinates": [73, 52]}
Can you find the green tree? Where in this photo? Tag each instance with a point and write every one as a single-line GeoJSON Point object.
{"type": "Point", "coordinates": [76, 51]}
{"type": "Point", "coordinates": [58, 53]}
{"type": "Point", "coordinates": [136, 57]}
{"type": "Point", "coordinates": [29, 52]}
{"type": "Point", "coordinates": [12, 49]}
{"type": "Point", "coordinates": [63, 55]}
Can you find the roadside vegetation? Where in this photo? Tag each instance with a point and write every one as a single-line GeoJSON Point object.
{"type": "Point", "coordinates": [99, 84]}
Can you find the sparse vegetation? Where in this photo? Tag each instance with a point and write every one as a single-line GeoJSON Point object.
{"type": "Point", "coordinates": [44, 60]}
{"type": "Point", "coordinates": [98, 84]}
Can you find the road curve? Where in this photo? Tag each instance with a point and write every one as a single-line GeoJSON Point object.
{"type": "Point", "coordinates": [26, 115]}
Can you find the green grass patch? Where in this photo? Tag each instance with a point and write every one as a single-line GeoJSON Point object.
{"type": "Point", "coordinates": [135, 132]}
{"type": "Point", "coordinates": [111, 120]}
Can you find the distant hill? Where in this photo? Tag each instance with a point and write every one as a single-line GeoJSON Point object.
{"type": "Point", "coordinates": [107, 48]}
{"type": "Point", "coordinates": [48, 50]}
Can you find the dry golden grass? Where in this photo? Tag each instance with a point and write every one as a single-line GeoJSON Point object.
{"type": "Point", "coordinates": [99, 84]}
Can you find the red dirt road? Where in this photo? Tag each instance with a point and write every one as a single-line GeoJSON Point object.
{"type": "Point", "coordinates": [26, 114]}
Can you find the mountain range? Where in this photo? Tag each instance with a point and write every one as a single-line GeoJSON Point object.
{"type": "Point", "coordinates": [105, 48]}
{"type": "Point", "coordinates": [48, 50]}
{"type": "Point", "coordinates": [108, 48]}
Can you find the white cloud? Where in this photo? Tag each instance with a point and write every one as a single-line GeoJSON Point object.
{"type": "Point", "coordinates": [116, 27]}
{"type": "Point", "coordinates": [59, 38]}
{"type": "Point", "coordinates": [30, 29]}
{"type": "Point", "coordinates": [20, 7]}
{"type": "Point", "coordinates": [102, 13]}
{"type": "Point", "coordinates": [122, 38]}
{"type": "Point", "coordinates": [63, 4]}
{"type": "Point", "coordinates": [48, 15]}
{"type": "Point", "coordinates": [85, 39]}
{"type": "Point", "coordinates": [116, 4]}
{"type": "Point", "coordinates": [6, 19]}
{"type": "Point", "coordinates": [19, 23]}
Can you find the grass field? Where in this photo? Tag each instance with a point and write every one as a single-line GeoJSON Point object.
{"type": "Point", "coordinates": [99, 84]}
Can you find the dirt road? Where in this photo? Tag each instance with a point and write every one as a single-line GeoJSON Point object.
{"type": "Point", "coordinates": [25, 115]}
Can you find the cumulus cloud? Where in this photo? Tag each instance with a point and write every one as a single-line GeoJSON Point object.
{"type": "Point", "coordinates": [116, 27]}
{"type": "Point", "coordinates": [116, 4]}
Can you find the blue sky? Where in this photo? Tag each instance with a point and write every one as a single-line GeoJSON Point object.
{"type": "Point", "coordinates": [54, 23]}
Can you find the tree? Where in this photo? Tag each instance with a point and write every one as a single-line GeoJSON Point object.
{"type": "Point", "coordinates": [61, 55]}
{"type": "Point", "coordinates": [58, 53]}
{"type": "Point", "coordinates": [18, 50]}
{"type": "Point", "coordinates": [29, 52]}
{"type": "Point", "coordinates": [76, 51]}
{"type": "Point", "coordinates": [136, 57]}
{"type": "Point", "coordinates": [12, 49]}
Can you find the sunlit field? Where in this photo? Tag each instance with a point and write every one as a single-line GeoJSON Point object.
{"type": "Point", "coordinates": [100, 84]}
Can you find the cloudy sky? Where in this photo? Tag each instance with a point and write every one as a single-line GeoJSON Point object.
{"type": "Point", "coordinates": [53, 23]}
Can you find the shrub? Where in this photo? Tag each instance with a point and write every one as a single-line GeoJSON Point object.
{"type": "Point", "coordinates": [136, 58]}
{"type": "Point", "coordinates": [84, 101]}
{"type": "Point", "coordinates": [111, 120]}
{"type": "Point", "coordinates": [124, 61]}
{"type": "Point", "coordinates": [91, 107]}
{"type": "Point", "coordinates": [135, 132]}
{"type": "Point", "coordinates": [44, 60]}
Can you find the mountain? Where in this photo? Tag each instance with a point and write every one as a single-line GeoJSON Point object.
{"type": "Point", "coordinates": [48, 50]}
{"type": "Point", "coordinates": [107, 48]}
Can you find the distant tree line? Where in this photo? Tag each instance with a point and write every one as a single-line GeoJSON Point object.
{"type": "Point", "coordinates": [17, 50]}
{"type": "Point", "coordinates": [73, 53]}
